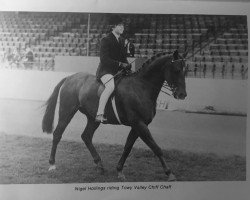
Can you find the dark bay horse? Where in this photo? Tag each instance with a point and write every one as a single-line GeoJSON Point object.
{"type": "Point", "coordinates": [136, 97]}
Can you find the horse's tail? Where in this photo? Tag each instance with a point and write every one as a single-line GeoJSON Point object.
{"type": "Point", "coordinates": [48, 118]}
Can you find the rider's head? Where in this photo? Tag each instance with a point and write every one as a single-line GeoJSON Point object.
{"type": "Point", "coordinates": [117, 24]}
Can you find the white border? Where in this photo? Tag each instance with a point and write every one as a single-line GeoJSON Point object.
{"type": "Point", "coordinates": [188, 190]}
{"type": "Point", "coordinates": [128, 6]}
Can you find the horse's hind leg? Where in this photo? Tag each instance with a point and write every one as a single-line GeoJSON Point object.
{"type": "Point", "coordinates": [66, 113]}
{"type": "Point", "coordinates": [87, 137]}
{"type": "Point", "coordinates": [146, 136]}
{"type": "Point", "coordinates": [127, 148]}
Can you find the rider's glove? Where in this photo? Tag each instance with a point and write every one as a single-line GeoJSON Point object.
{"type": "Point", "coordinates": [125, 66]}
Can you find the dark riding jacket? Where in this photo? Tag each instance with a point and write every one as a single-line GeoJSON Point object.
{"type": "Point", "coordinates": [111, 53]}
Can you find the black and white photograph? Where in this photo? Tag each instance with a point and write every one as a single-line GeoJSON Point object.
{"type": "Point", "coordinates": [115, 101]}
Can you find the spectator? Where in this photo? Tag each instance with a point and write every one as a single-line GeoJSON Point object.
{"type": "Point", "coordinates": [29, 57]}
{"type": "Point", "coordinates": [242, 71]}
{"type": "Point", "coordinates": [9, 55]}
{"type": "Point", "coordinates": [78, 51]}
{"type": "Point", "coordinates": [16, 58]}
{"type": "Point", "coordinates": [195, 70]}
{"type": "Point", "coordinates": [213, 70]}
{"type": "Point", "coordinates": [2, 58]}
{"type": "Point", "coordinates": [204, 70]}
{"type": "Point", "coordinates": [53, 63]}
{"type": "Point", "coordinates": [223, 71]}
{"type": "Point", "coordinates": [29, 54]}
{"type": "Point", "coordinates": [246, 73]}
{"type": "Point", "coordinates": [232, 71]}
{"type": "Point", "coordinates": [186, 70]}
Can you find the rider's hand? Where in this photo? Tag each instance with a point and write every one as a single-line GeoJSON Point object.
{"type": "Point", "coordinates": [125, 66]}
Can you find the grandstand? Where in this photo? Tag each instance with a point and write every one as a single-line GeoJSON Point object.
{"type": "Point", "coordinates": [217, 45]}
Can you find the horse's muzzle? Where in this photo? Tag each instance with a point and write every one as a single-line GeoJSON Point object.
{"type": "Point", "coordinates": [180, 95]}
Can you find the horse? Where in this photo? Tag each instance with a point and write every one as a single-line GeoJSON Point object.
{"type": "Point", "coordinates": [136, 99]}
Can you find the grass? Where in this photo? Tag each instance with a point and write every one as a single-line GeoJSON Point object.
{"type": "Point", "coordinates": [25, 160]}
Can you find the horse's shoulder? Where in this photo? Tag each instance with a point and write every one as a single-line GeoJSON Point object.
{"type": "Point", "coordinates": [125, 85]}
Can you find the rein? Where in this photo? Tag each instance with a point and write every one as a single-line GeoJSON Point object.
{"type": "Point", "coordinates": [116, 75]}
{"type": "Point", "coordinates": [119, 73]}
{"type": "Point", "coordinates": [165, 84]}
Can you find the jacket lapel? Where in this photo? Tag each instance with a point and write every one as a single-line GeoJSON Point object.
{"type": "Point", "coordinates": [115, 41]}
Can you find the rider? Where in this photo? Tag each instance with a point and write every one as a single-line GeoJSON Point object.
{"type": "Point", "coordinates": [112, 59]}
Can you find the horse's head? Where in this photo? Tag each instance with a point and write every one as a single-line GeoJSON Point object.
{"type": "Point", "coordinates": [174, 75]}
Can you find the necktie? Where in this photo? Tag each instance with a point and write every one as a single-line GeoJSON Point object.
{"type": "Point", "coordinates": [119, 41]}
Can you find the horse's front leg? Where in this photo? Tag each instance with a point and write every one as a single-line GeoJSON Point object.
{"type": "Point", "coordinates": [127, 148]}
{"type": "Point", "coordinates": [146, 136]}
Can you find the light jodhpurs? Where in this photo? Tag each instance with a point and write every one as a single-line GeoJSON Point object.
{"type": "Point", "coordinates": [109, 84]}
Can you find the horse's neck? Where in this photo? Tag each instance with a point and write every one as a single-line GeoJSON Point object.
{"type": "Point", "coordinates": [154, 78]}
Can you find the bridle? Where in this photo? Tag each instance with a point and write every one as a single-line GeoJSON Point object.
{"type": "Point", "coordinates": [166, 85]}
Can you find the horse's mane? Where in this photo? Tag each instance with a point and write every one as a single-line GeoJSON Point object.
{"type": "Point", "coordinates": [151, 60]}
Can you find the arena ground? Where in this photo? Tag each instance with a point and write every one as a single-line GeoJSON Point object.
{"type": "Point", "coordinates": [190, 132]}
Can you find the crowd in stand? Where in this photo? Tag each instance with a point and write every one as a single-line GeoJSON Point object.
{"type": "Point", "coordinates": [23, 58]}
{"type": "Point", "coordinates": [203, 71]}
{"type": "Point", "coordinates": [18, 58]}
{"type": "Point", "coordinates": [217, 44]}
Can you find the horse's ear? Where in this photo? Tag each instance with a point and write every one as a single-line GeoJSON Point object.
{"type": "Point", "coordinates": [175, 54]}
{"type": "Point", "coordinates": [185, 54]}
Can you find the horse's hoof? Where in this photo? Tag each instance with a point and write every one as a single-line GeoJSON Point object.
{"type": "Point", "coordinates": [52, 168]}
{"type": "Point", "coordinates": [172, 177]}
{"type": "Point", "coordinates": [121, 176]}
{"type": "Point", "coordinates": [100, 169]}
